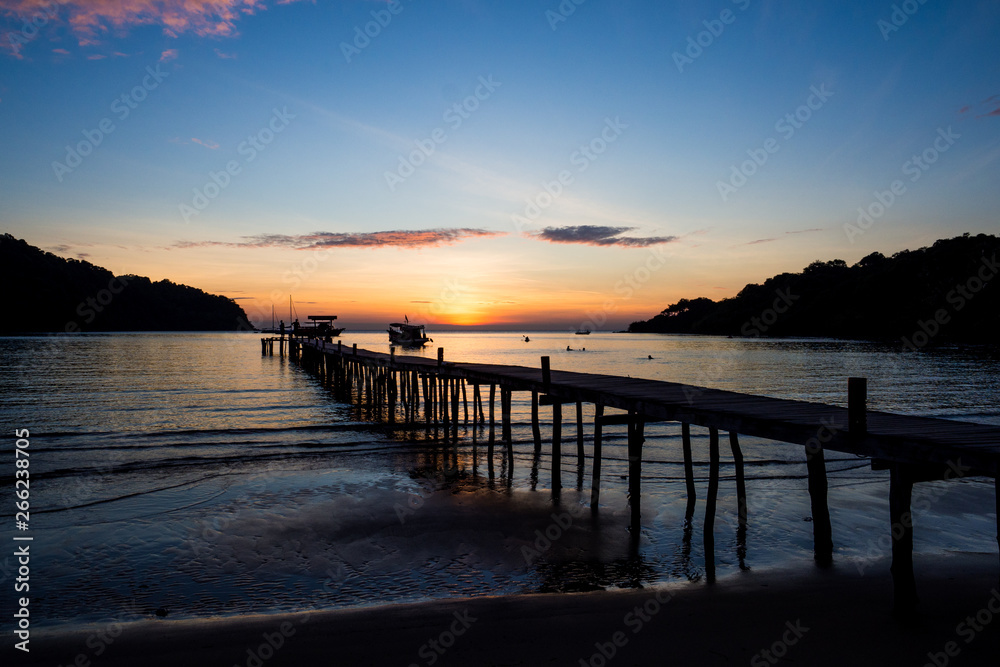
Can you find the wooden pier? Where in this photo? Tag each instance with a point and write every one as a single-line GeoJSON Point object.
{"type": "Point", "coordinates": [432, 393]}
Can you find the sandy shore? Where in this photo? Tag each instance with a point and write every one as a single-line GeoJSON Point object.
{"type": "Point", "coordinates": [818, 617]}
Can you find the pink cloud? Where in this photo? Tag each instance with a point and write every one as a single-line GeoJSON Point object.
{"type": "Point", "coordinates": [89, 20]}
{"type": "Point", "coordinates": [225, 56]}
{"type": "Point", "coordinates": [96, 56]}
{"type": "Point", "coordinates": [168, 55]}
{"type": "Point", "coordinates": [206, 144]}
{"type": "Point", "coordinates": [410, 238]}
{"type": "Point", "coordinates": [995, 112]}
{"type": "Point", "coordinates": [62, 52]}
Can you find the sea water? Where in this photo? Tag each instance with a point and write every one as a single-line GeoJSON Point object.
{"type": "Point", "coordinates": [185, 474]}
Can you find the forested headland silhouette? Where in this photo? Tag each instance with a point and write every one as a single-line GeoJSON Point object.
{"type": "Point", "coordinates": [944, 293]}
{"type": "Point", "coordinates": [48, 293]}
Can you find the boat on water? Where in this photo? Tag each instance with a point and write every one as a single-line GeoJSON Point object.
{"type": "Point", "coordinates": [318, 326]}
{"type": "Point", "coordinates": [405, 334]}
{"type": "Point", "coordinates": [583, 332]}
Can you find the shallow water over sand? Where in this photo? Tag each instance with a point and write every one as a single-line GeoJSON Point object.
{"type": "Point", "coordinates": [184, 472]}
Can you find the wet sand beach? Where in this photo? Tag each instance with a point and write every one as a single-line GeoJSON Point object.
{"type": "Point", "coordinates": [816, 617]}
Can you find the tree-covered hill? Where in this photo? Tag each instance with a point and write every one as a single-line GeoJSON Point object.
{"type": "Point", "coordinates": [949, 292]}
{"type": "Point", "coordinates": [50, 293]}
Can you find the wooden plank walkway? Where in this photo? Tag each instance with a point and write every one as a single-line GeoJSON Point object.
{"type": "Point", "coordinates": [914, 449]}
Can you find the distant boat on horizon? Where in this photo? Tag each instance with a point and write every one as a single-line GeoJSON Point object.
{"type": "Point", "coordinates": [583, 332]}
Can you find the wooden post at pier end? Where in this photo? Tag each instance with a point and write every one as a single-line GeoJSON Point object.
{"type": "Point", "coordinates": [440, 356]}
{"type": "Point", "coordinates": [688, 473]}
{"type": "Point", "coordinates": [904, 586]}
{"type": "Point", "coordinates": [741, 484]}
{"type": "Point", "coordinates": [595, 484]}
{"type": "Point", "coordinates": [556, 445]}
{"type": "Point", "coordinates": [822, 529]}
{"type": "Point", "coordinates": [354, 349]}
{"type": "Point", "coordinates": [713, 491]}
{"type": "Point", "coordinates": [536, 432]}
{"type": "Point", "coordinates": [636, 436]}
{"type": "Point", "coordinates": [546, 374]}
{"type": "Point", "coordinates": [857, 406]}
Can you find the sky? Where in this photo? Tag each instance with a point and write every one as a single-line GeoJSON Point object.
{"type": "Point", "coordinates": [514, 165]}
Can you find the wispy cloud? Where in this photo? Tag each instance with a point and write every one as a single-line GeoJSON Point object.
{"type": "Point", "coordinates": [225, 56]}
{"type": "Point", "coordinates": [168, 55]}
{"type": "Point", "coordinates": [205, 143]}
{"type": "Point", "coordinates": [599, 235]}
{"type": "Point", "coordinates": [89, 20]}
{"type": "Point", "coordinates": [788, 233]}
{"type": "Point", "coordinates": [989, 102]}
{"type": "Point", "coordinates": [408, 238]}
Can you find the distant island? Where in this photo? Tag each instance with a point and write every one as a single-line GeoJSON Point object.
{"type": "Point", "coordinates": [48, 293]}
{"type": "Point", "coordinates": [941, 294]}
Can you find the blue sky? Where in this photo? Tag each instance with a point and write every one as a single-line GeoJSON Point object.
{"type": "Point", "coordinates": [654, 140]}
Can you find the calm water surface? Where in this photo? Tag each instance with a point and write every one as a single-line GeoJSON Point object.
{"type": "Point", "coordinates": [185, 472]}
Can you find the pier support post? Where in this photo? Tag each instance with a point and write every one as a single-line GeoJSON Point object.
{"type": "Point", "coordinates": [688, 473]}
{"type": "Point", "coordinates": [440, 356]}
{"type": "Point", "coordinates": [556, 447]}
{"type": "Point", "coordinates": [536, 432]}
{"type": "Point", "coordinates": [741, 499]}
{"type": "Point", "coordinates": [857, 406]}
{"type": "Point", "coordinates": [713, 491]}
{"type": "Point", "coordinates": [493, 395]}
{"type": "Point", "coordinates": [546, 374]}
{"type": "Point", "coordinates": [579, 436]}
{"type": "Point", "coordinates": [465, 403]}
{"type": "Point", "coordinates": [595, 483]}
{"type": "Point", "coordinates": [636, 428]}
{"type": "Point", "coordinates": [741, 484]}
{"type": "Point", "coordinates": [505, 415]}
{"type": "Point", "coordinates": [822, 529]}
{"type": "Point", "coordinates": [454, 406]}
{"type": "Point", "coordinates": [901, 529]}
